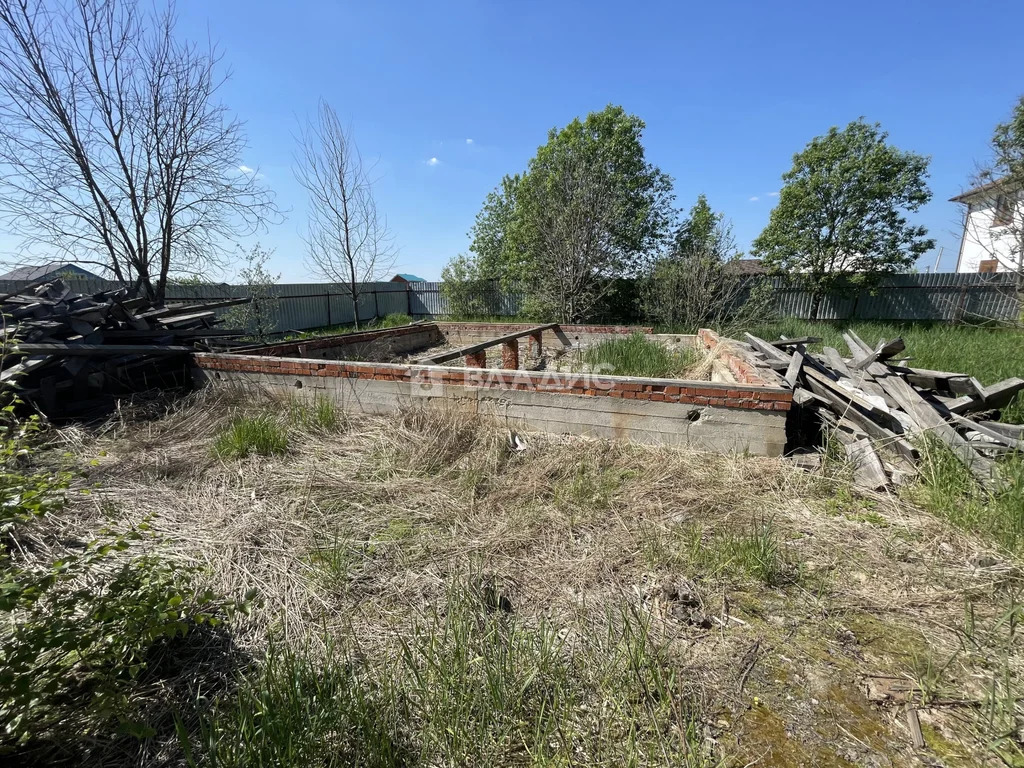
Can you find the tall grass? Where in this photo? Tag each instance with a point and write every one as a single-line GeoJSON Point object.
{"type": "Point", "coordinates": [636, 355]}
{"type": "Point", "coordinates": [949, 490]}
{"type": "Point", "coordinates": [467, 685]}
{"type": "Point", "coordinates": [262, 434]}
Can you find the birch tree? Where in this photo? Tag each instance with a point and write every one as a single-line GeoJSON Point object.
{"type": "Point", "coordinates": [347, 240]}
{"type": "Point", "coordinates": [114, 150]}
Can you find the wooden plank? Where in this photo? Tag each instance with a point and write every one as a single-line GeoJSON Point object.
{"type": "Point", "coordinates": [1010, 430]}
{"type": "Point", "coordinates": [929, 420]}
{"type": "Point", "coordinates": [798, 341]}
{"type": "Point", "coordinates": [999, 395]}
{"type": "Point", "coordinates": [914, 723]}
{"type": "Point", "coordinates": [173, 309]}
{"type": "Point", "coordinates": [881, 434]}
{"type": "Point", "coordinates": [99, 350]}
{"type": "Point", "coordinates": [772, 354]}
{"type": "Point", "coordinates": [835, 360]}
{"type": "Point", "coordinates": [868, 472]}
{"type": "Point", "coordinates": [993, 434]}
{"type": "Point", "coordinates": [481, 346]}
{"type": "Point", "coordinates": [192, 318]}
{"type": "Point", "coordinates": [793, 372]}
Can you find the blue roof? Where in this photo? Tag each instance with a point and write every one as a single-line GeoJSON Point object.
{"type": "Point", "coordinates": [410, 278]}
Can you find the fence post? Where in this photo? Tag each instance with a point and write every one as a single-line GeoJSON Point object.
{"type": "Point", "coordinates": [328, 297]}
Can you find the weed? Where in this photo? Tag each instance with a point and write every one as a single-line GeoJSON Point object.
{"type": "Point", "coordinates": [262, 435]}
{"type": "Point", "coordinates": [949, 490]}
{"type": "Point", "coordinates": [636, 355]}
{"type": "Point", "coordinates": [321, 416]}
{"type": "Point", "coordinates": [296, 712]}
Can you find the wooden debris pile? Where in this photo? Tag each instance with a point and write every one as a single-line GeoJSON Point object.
{"type": "Point", "coordinates": [878, 405]}
{"type": "Point", "coordinates": [66, 354]}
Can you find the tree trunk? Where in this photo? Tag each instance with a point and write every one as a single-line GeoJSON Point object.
{"type": "Point", "coordinates": [815, 305]}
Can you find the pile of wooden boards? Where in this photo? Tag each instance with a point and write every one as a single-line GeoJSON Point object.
{"type": "Point", "coordinates": [66, 354]}
{"type": "Point", "coordinates": [880, 407]}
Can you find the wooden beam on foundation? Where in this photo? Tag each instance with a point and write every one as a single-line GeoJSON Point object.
{"type": "Point", "coordinates": [472, 349]}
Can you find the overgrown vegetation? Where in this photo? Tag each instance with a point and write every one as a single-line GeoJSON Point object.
{"type": "Point", "coordinates": [471, 685]}
{"type": "Point", "coordinates": [949, 490]}
{"type": "Point", "coordinates": [263, 435]}
{"type": "Point", "coordinates": [636, 355]}
{"type": "Point", "coordinates": [698, 282]}
{"type": "Point", "coordinates": [429, 596]}
{"type": "Point", "coordinates": [83, 620]}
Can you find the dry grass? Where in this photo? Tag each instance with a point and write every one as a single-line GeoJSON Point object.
{"type": "Point", "coordinates": [774, 592]}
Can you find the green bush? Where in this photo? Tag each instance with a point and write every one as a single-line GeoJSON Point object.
{"type": "Point", "coordinates": [77, 625]}
{"type": "Point", "coordinates": [263, 435]}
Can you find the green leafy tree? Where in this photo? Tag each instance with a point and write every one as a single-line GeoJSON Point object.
{"type": "Point", "coordinates": [466, 291]}
{"type": "Point", "coordinates": [697, 283]}
{"type": "Point", "coordinates": [588, 209]}
{"type": "Point", "coordinates": [841, 218]}
{"type": "Point", "coordinates": [259, 317]}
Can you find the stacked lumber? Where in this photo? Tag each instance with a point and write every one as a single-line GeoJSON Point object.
{"type": "Point", "coordinates": [65, 354]}
{"type": "Point", "coordinates": [879, 407]}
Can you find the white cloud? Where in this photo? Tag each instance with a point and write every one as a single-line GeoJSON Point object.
{"type": "Point", "coordinates": [773, 194]}
{"type": "Point", "coordinates": [433, 161]}
{"type": "Point", "coordinates": [754, 199]}
{"type": "Point", "coordinates": [469, 141]}
{"type": "Point", "coordinates": [245, 169]}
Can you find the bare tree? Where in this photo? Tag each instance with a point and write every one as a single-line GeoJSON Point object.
{"type": "Point", "coordinates": [113, 148]}
{"type": "Point", "coordinates": [348, 241]}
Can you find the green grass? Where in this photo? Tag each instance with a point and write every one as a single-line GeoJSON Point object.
{"type": "Point", "coordinates": [755, 553]}
{"type": "Point", "coordinates": [263, 435]}
{"type": "Point", "coordinates": [989, 354]}
{"type": "Point", "coordinates": [949, 490]}
{"type": "Point", "coordinates": [322, 415]}
{"type": "Point", "coordinates": [468, 684]}
{"type": "Point", "coordinates": [635, 355]}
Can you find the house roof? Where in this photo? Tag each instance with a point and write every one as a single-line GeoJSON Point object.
{"type": "Point", "coordinates": [410, 278]}
{"type": "Point", "coordinates": [965, 197]}
{"type": "Point", "coordinates": [746, 267]}
{"type": "Point", "coordinates": [45, 270]}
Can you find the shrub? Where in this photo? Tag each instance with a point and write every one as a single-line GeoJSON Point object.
{"type": "Point", "coordinates": [262, 435]}
{"type": "Point", "coordinates": [78, 625]}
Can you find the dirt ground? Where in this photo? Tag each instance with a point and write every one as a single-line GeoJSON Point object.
{"type": "Point", "coordinates": [781, 597]}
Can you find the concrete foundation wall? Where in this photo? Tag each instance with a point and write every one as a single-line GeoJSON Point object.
{"type": "Point", "coordinates": [464, 334]}
{"type": "Point", "coordinates": [376, 345]}
{"type": "Point", "coordinates": [716, 417]}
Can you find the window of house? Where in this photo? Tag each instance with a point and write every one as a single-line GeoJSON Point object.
{"type": "Point", "coordinates": [988, 265]}
{"type": "Point", "coordinates": [1004, 211]}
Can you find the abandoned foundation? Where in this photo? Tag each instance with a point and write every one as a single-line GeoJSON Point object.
{"type": "Point", "coordinates": [518, 372]}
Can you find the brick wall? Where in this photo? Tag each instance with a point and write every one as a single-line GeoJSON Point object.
{"type": "Point", "coordinates": [742, 369]}
{"type": "Point", "coordinates": [701, 393]}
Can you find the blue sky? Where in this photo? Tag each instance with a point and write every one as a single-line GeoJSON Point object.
{"type": "Point", "coordinates": [729, 91]}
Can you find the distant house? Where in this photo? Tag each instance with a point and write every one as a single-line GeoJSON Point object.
{"type": "Point", "coordinates": [403, 277]}
{"type": "Point", "coordinates": [50, 271]}
{"type": "Point", "coordinates": [746, 267]}
{"type": "Point", "coordinates": [993, 227]}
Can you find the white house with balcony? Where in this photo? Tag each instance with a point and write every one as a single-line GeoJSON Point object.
{"type": "Point", "coordinates": [993, 229]}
